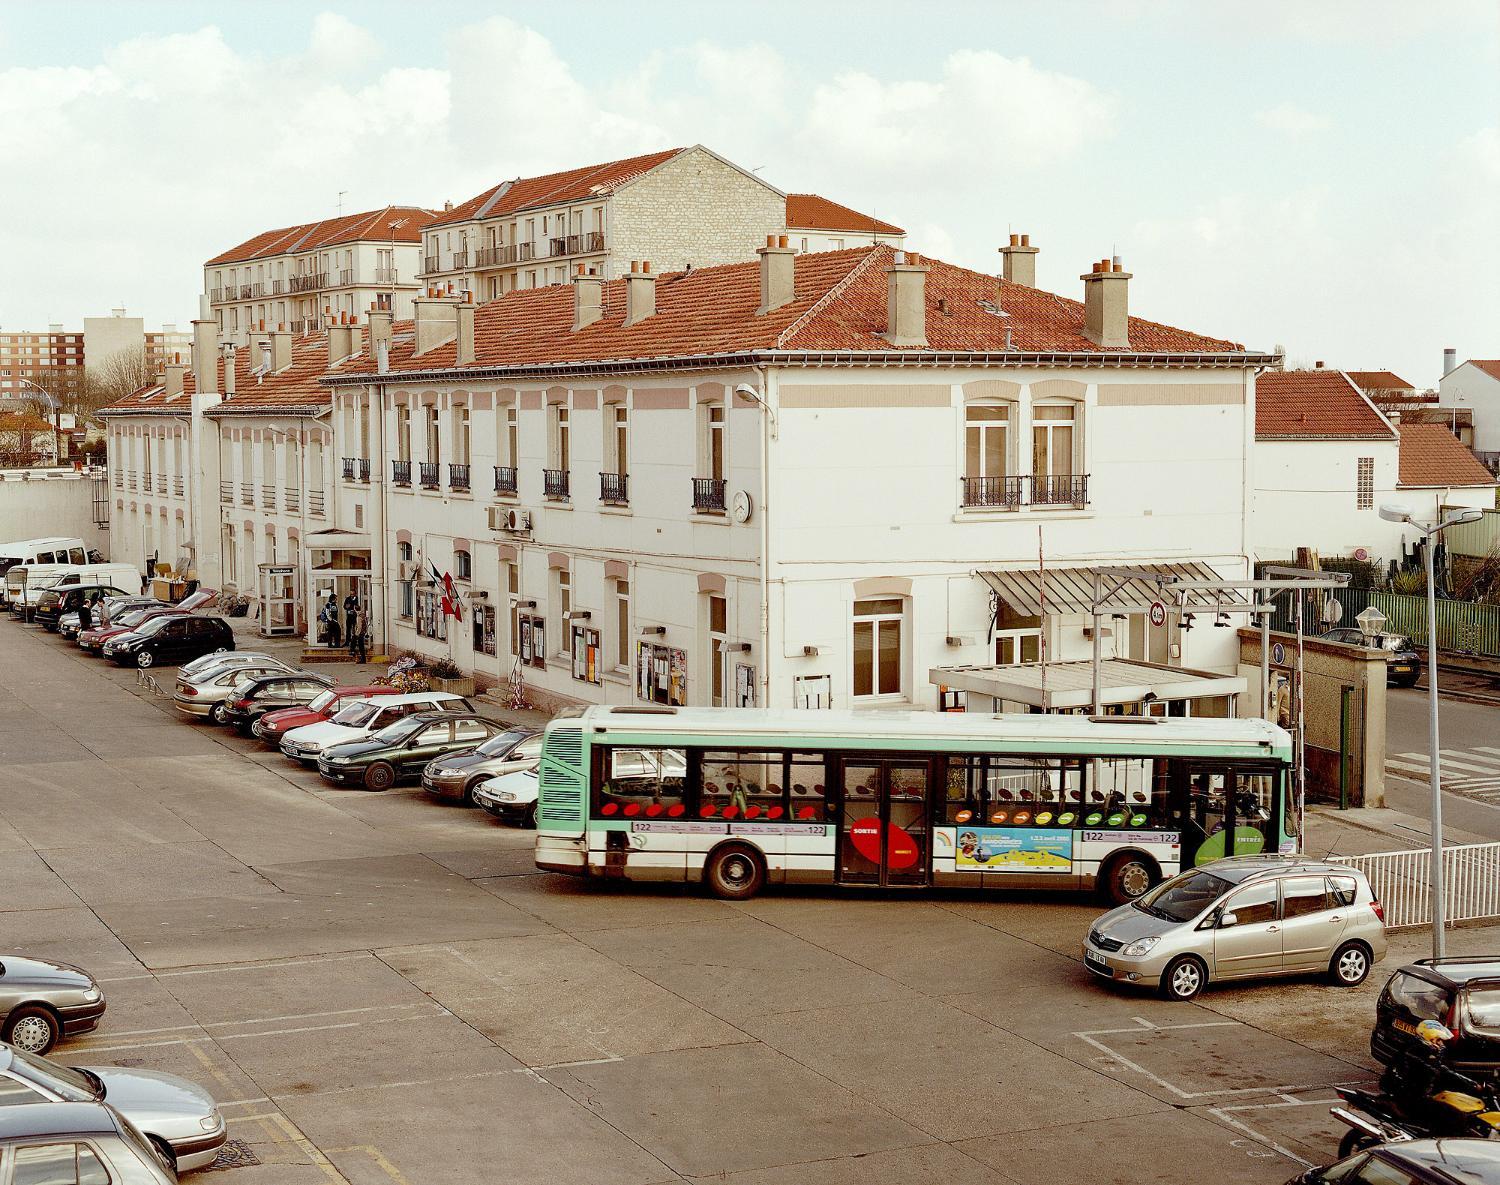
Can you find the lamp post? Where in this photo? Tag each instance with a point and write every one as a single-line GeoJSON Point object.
{"type": "Point", "coordinates": [1429, 533]}
{"type": "Point", "coordinates": [56, 409]}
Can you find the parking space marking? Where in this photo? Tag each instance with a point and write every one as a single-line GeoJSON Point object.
{"type": "Point", "coordinates": [1222, 1113]}
{"type": "Point", "coordinates": [283, 1131]}
{"type": "Point", "coordinates": [384, 1165]}
{"type": "Point", "coordinates": [229, 968]}
{"type": "Point", "coordinates": [434, 1009]}
{"type": "Point", "coordinates": [265, 1020]}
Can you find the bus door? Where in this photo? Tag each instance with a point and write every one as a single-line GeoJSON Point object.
{"type": "Point", "coordinates": [1214, 801]}
{"type": "Point", "coordinates": [883, 826]}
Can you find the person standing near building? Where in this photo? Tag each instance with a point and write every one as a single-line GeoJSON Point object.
{"type": "Point", "coordinates": [331, 620]}
{"type": "Point", "coordinates": [359, 639]}
{"type": "Point", "coordinates": [351, 609]}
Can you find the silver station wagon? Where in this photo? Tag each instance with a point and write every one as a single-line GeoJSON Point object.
{"type": "Point", "coordinates": [1242, 918]}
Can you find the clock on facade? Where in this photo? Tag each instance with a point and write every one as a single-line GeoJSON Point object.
{"type": "Point", "coordinates": [742, 507]}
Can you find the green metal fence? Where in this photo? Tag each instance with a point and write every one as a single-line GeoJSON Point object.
{"type": "Point", "coordinates": [1476, 540]}
{"type": "Point", "coordinates": [1461, 625]}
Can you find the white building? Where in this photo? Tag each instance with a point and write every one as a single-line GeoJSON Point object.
{"type": "Point", "coordinates": [815, 223]}
{"type": "Point", "coordinates": [1438, 469]}
{"type": "Point", "coordinates": [1474, 387]}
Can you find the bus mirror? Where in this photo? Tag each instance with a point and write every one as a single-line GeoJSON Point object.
{"type": "Point", "coordinates": [1228, 919]}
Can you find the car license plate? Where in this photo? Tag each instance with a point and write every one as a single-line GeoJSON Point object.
{"type": "Point", "coordinates": [1095, 960]}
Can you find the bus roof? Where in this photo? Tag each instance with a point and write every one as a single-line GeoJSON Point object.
{"type": "Point", "coordinates": [943, 727]}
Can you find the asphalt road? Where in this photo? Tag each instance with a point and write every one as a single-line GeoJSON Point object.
{"type": "Point", "coordinates": [384, 991]}
{"type": "Point", "coordinates": [1464, 730]}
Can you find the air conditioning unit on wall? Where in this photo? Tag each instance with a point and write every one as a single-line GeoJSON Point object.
{"type": "Point", "coordinates": [502, 518]}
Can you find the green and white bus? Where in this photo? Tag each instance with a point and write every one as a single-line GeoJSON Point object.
{"type": "Point", "coordinates": [739, 798]}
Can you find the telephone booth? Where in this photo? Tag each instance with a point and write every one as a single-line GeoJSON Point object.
{"type": "Point", "coordinates": [279, 598]}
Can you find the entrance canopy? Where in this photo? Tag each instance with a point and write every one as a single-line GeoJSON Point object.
{"type": "Point", "coordinates": [1071, 590]}
{"type": "Point", "coordinates": [1070, 684]}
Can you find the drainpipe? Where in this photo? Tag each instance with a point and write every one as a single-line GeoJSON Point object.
{"type": "Point", "coordinates": [767, 382]}
{"type": "Point", "coordinates": [382, 367]}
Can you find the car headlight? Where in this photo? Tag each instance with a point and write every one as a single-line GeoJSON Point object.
{"type": "Point", "coordinates": [506, 796]}
{"type": "Point", "coordinates": [92, 996]}
{"type": "Point", "coordinates": [1141, 946]}
{"type": "Point", "coordinates": [211, 1122]}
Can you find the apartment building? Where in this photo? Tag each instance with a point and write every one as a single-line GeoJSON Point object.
{"type": "Point", "coordinates": [50, 359]}
{"type": "Point", "coordinates": [816, 223]}
{"type": "Point", "coordinates": [121, 335]}
{"type": "Point", "coordinates": [298, 277]}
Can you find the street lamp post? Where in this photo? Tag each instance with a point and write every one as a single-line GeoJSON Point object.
{"type": "Point", "coordinates": [1430, 532]}
{"type": "Point", "coordinates": [56, 409]}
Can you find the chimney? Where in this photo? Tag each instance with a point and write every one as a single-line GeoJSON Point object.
{"type": "Point", "coordinates": [229, 355]}
{"type": "Point", "coordinates": [906, 301]}
{"type": "Point", "coordinates": [173, 378]}
{"type": "Point", "coordinates": [356, 336]}
{"type": "Point", "coordinates": [1020, 260]}
{"type": "Point", "coordinates": [778, 277]}
{"type": "Point", "coordinates": [380, 330]}
{"type": "Point", "coordinates": [588, 298]}
{"type": "Point", "coordinates": [435, 321]}
{"type": "Point", "coordinates": [338, 344]}
{"type": "Point", "coordinates": [1450, 359]}
{"type": "Point", "coordinates": [205, 355]}
{"type": "Point", "coordinates": [281, 349]}
{"type": "Point", "coordinates": [640, 292]}
{"type": "Point", "coordinates": [465, 335]}
{"type": "Point", "coordinates": [1106, 314]}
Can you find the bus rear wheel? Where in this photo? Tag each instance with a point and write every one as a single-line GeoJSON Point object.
{"type": "Point", "coordinates": [734, 873]}
{"type": "Point", "coordinates": [1127, 877]}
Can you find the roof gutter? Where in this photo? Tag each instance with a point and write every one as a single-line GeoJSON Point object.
{"type": "Point", "coordinates": [1226, 360]}
{"type": "Point", "coordinates": [224, 410]}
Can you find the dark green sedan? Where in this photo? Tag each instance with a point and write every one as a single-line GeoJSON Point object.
{"type": "Point", "coordinates": [401, 750]}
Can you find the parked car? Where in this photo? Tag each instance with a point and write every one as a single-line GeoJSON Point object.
{"type": "Point", "coordinates": [274, 725]}
{"type": "Point", "coordinates": [227, 660]}
{"type": "Point", "coordinates": [1403, 661]}
{"type": "Point", "coordinates": [41, 1001]}
{"type": "Point", "coordinates": [170, 640]}
{"type": "Point", "coordinates": [1413, 1162]}
{"type": "Point", "coordinates": [255, 695]}
{"type": "Point", "coordinates": [403, 749]}
{"type": "Point", "coordinates": [121, 576]}
{"type": "Point", "coordinates": [77, 1142]}
{"type": "Point", "coordinates": [53, 603]}
{"type": "Point", "coordinates": [1463, 992]}
{"type": "Point", "coordinates": [458, 774]}
{"type": "Point", "coordinates": [69, 624]}
{"type": "Point", "coordinates": [208, 692]}
{"type": "Point", "coordinates": [1241, 918]}
{"type": "Point", "coordinates": [364, 719]}
{"type": "Point", "coordinates": [94, 638]}
{"type": "Point", "coordinates": [179, 1117]}
{"type": "Point", "coordinates": [511, 797]}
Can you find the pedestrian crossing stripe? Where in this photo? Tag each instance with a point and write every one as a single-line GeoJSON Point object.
{"type": "Point", "coordinates": [1473, 773]}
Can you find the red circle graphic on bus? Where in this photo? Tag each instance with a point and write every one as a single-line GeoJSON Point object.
{"type": "Point", "coordinates": [899, 850]}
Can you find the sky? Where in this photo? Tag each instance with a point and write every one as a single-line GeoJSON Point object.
{"type": "Point", "coordinates": [1319, 175]}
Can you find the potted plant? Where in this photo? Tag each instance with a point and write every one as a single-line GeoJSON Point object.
{"type": "Point", "coordinates": [446, 676]}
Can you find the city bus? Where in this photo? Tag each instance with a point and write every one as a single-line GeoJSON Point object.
{"type": "Point", "coordinates": [740, 798]}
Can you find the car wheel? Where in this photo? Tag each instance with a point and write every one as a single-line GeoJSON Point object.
{"type": "Point", "coordinates": [144, 659]}
{"type": "Point", "coordinates": [1127, 877]}
{"type": "Point", "coordinates": [219, 713]}
{"type": "Point", "coordinates": [468, 798]}
{"type": "Point", "coordinates": [1350, 965]}
{"type": "Point", "coordinates": [1355, 1141]}
{"type": "Point", "coordinates": [380, 776]}
{"type": "Point", "coordinates": [31, 1029]}
{"type": "Point", "coordinates": [734, 873]}
{"type": "Point", "coordinates": [528, 820]}
{"type": "Point", "coordinates": [1183, 979]}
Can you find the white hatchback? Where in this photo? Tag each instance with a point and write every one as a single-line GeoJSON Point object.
{"type": "Point", "coordinates": [364, 718]}
{"type": "Point", "coordinates": [511, 797]}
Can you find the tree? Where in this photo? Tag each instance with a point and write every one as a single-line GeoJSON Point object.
{"type": "Point", "coordinates": [113, 379]}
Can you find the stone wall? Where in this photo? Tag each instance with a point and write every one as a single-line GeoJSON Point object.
{"type": "Point", "coordinates": [51, 502]}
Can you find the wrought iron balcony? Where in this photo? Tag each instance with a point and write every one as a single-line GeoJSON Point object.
{"type": "Point", "coordinates": [614, 488]}
{"type": "Point", "coordinates": [555, 483]}
{"type": "Point", "coordinates": [496, 256]}
{"type": "Point", "coordinates": [999, 493]}
{"type": "Point", "coordinates": [349, 468]}
{"type": "Point", "coordinates": [557, 246]}
{"type": "Point", "coordinates": [220, 295]}
{"type": "Point", "coordinates": [525, 252]}
{"type": "Point", "coordinates": [310, 282]}
{"type": "Point", "coordinates": [401, 473]}
{"type": "Point", "coordinates": [460, 259]}
{"type": "Point", "coordinates": [278, 287]}
{"type": "Point", "coordinates": [346, 277]}
{"type": "Point", "coordinates": [428, 474]}
{"type": "Point", "coordinates": [385, 275]}
{"type": "Point", "coordinates": [363, 468]}
{"type": "Point", "coordinates": [257, 289]}
{"type": "Point", "coordinates": [458, 477]}
{"type": "Point", "coordinates": [594, 241]}
{"type": "Point", "coordinates": [429, 263]}
{"type": "Point", "coordinates": [708, 494]}
{"type": "Point", "coordinates": [1060, 489]}
{"type": "Point", "coordinates": [505, 479]}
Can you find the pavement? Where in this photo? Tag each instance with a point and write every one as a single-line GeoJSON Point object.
{"type": "Point", "coordinates": [1469, 759]}
{"type": "Point", "coordinates": [382, 989]}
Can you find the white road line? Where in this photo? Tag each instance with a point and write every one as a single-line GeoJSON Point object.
{"type": "Point", "coordinates": [257, 1020]}
{"type": "Point", "coordinates": [229, 968]}
{"type": "Point", "coordinates": [352, 1024]}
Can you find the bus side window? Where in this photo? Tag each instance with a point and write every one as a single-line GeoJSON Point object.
{"type": "Point", "coordinates": [807, 781]}
{"type": "Point", "coordinates": [646, 783]}
{"type": "Point", "coordinates": [742, 786]}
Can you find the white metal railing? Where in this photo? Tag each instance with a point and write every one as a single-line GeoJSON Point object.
{"type": "Point", "coordinates": [1471, 883]}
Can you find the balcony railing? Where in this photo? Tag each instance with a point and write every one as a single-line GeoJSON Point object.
{"type": "Point", "coordinates": [525, 252]}
{"type": "Point", "coordinates": [316, 503]}
{"type": "Point", "coordinates": [258, 289]}
{"type": "Point", "coordinates": [349, 468]}
{"type": "Point", "coordinates": [268, 497]}
{"type": "Point", "coordinates": [247, 493]}
{"type": "Point", "coordinates": [614, 488]}
{"type": "Point", "coordinates": [429, 263]}
{"type": "Point", "coordinates": [293, 499]}
{"type": "Point", "coordinates": [1060, 489]}
{"type": "Point", "coordinates": [505, 479]}
{"type": "Point", "coordinates": [708, 494]}
{"type": "Point", "coordinates": [346, 276]}
{"type": "Point", "coordinates": [458, 477]}
{"type": "Point", "coordinates": [309, 283]}
{"type": "Point", "coordinates": [401, 473]}
{"type": "Point", "coordinates": [428, 474]}
{"type": "Point", "coordinates": [494, 256]}
{"type": "Point", "coordinates": [246, 291]}
{"type": "Point", "coordinates": [555, 483]}
{"type": "Point", "coordinates": [177, 486]}
{"type": "Point", "coordinates": [594, 241]}
{"type": "Point", "coordinates": [557, 246]}
{"type": "Point", "coordinates": [385, 275]}
{"type": "Point", "coordinates": [1000, 493]}
{"type": "Point", "coordinates": [220, 295]}
{"type": "Point", "coordinates": [226, 491]}
{"type": "Point", "coordinates": [461, 258]}
{"type": "Point", "coordinates": [161, 483]}
{"type": "Point", "coordinates": [303, 325]}
{"type": "Point", "coordinates": [362, 470]}
{"type": "Point", "coordinates": [278, 287]}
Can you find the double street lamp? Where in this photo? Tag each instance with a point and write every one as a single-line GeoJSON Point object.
{"type": "Point", "coordinates": [1429, 533]}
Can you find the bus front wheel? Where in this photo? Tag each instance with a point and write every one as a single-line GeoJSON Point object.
{"type": "Point", "coordinates": [734, 873]}
{"type": "Point", "coordinates": [1127, 877]}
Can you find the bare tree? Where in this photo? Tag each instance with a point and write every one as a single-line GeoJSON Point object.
{"type": "Point", "coordinates": [112, 379]}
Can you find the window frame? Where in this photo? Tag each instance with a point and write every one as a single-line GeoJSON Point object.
{"type": "Point", "coordinates": [876, 620]}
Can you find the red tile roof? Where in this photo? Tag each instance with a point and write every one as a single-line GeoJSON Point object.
{"type": "Point", "coordinates": [1433, 456]}
{"type": "Point", "coordinates": [811, 211]}
{"type": "Point", "coordinates": [839, 305]}
{"type": "Point", "coordinates": [371, 226]}
{"type": "Point", "coordinates": [1315, 404]}
{"type": "Point", "coordinates": [293, 387]}
{"type": "Point", "coordinates": [1490, 366]}
{"type": "Point", "coordinates": [1378, 380]}
{"type": "Point", "coordinates": [571, 185]}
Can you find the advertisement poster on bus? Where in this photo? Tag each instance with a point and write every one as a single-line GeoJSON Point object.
{"type": "Point", "coordinates": [1014, 849]}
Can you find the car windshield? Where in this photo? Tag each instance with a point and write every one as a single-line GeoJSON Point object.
{"type": "Point", "coordinates": [499, 746]}
{"type": "Point", "coordinates": [154, 625]}
{"type": "Point", "coordinates": [1183, 897]}
{"type": "Point", "coordinates": [324, 700]}
{"type": "Point", "coordinates": [73, 1085]}
{"type": "Point", "coordinates": [1482, 1011]}
{"type": "Point", "coordinates": [134, 617]}
{"type": "Point", "coordinates": [401, 730]}
{"type": "Point", "coordinates": [357, 715]}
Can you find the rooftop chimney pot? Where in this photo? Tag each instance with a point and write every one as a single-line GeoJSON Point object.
{"type": "Point", "coordinates": [465, 354]}
{"type": "Point", "coordinates": [588, 299]}
{"type": "Point", "coordinates": [434, 321]}
{"type": "Point", "coordinates": [640, 294]}
{"type": "Point", "coordinates": [1019, 261]}
{"type": "Point", "coordinates": [778, 274]}
{"type": "Point", "coordinates": [1106, 308]}
{"type": "Point", "coordinates": [906, 301]}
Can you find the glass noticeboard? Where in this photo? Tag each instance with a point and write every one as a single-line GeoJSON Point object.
{"type": "Point", "coordinates": [661, 674]}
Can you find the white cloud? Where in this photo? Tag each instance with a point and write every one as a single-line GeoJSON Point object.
{"type": "Point", "coordinates": [1293, 120]}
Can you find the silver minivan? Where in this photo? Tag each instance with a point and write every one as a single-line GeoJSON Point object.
{"type": "Point", "coordinates": [1245, 917]}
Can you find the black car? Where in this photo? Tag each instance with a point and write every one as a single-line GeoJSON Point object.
{"type": "Point", "coordinates": [52, 604]}
{"type": "Point", "coordinates": [172, 639]}
{"type": "Point", "coordinates": [69, 625]}
{"type": "Point", "coordinates": [259, 694]}
{"type": "Point", "coordinates": [403, 749]}
{"type": "Point", "coordinates": [1462, 992]}
{"type": "Point", "coordinates": [1403, 662]}
{"type": "Point", "coordinates": [1413, 1162]}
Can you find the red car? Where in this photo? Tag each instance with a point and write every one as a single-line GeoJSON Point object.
{"type": "Point", "coordinates": [274, 725]}
{"type": "Point", "coordinates": [93, 640]}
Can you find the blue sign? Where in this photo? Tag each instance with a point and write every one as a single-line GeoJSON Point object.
{"type": "Point", "coordinates": [1278, 653]}
{"type": "Point", "coordinates": [1014, 849]}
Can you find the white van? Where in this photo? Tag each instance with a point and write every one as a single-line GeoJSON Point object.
{"type": "Point", "coordinates": [40, 556]}
{"type": "Point", "coordinates": [23, 598]}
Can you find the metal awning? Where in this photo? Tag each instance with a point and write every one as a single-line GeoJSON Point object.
{"type": "Point", "coordinates": [1070, 684]}
{"type": "Point", "coordinates": [337, 539]}
{"type": "Point", "coordinates": [1071, 590]}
